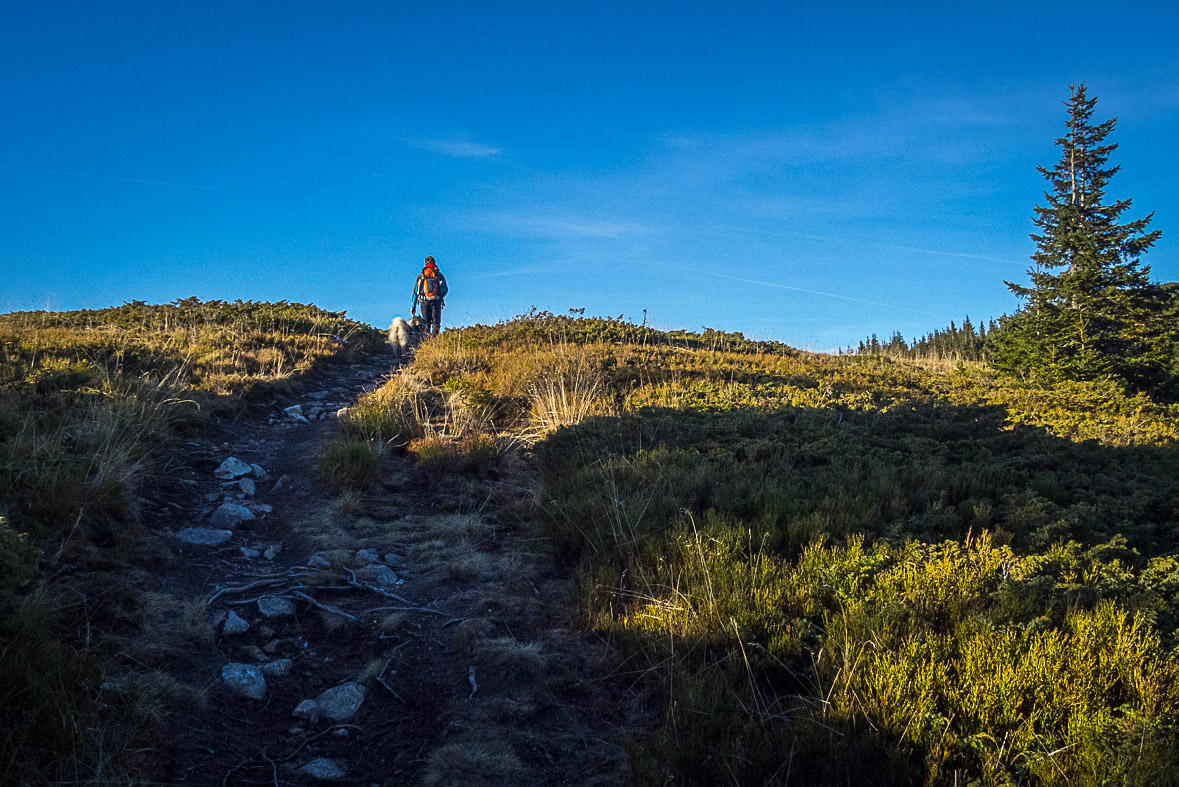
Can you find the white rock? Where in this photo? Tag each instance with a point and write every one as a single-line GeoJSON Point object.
{"type": "Point", "coordinates": [272, 607]}
{"type": "Point", "coordinates": [293, 410]}
{"type": "Point", "coordinates": [277, 668]}
{"type": "Point", "coordinates": [260, 508]}
{"type": "Point", "coordinates": [342, 412]}
{"type": "Point", "coordinates": [229, 515]}
{"type": "Point", "coordinates": [235, 624]}
{"type": "Point", "coordinates": [272, 551]}
{"type": "Point", "coordinates": [366, 556]}
{"type": "Point", "coordinates": [250, 552]}
{"type": "Point", "coordinates": [205, 536]}
{"type": "Point", "coordinates": [316, 561]}
{"type": "Point", "coordinates": [212, 497]}
{"type": "Point", "coordinates": [232, 468]}
{"type": "Point", "coordinates": [245, 679]}
{"type": "Point", "coordinates": [323, 769]}
{"type": "Point", "coordinates": [340, 702]}
{"type": "Point", "coordinates": [258, 471]}
{"type": "Point", "coordinates": [247, 486]}
{"type": "Point", "coordinates": [279, 483]}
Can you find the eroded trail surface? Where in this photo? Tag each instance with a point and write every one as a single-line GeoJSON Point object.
{"type": "Point", "coordinates": [412, 635]}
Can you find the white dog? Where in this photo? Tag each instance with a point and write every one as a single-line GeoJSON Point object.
{"type": "Point", "coordinates": [404, 336]}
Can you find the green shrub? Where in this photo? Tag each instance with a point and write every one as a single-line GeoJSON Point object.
{"type": "Point", "coordinates": [349, 464]}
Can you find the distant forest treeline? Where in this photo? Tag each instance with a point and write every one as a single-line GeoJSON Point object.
{"type": "Point", "coordinates": [965, 342]}
{"type": "Point", "coordinates": [970, 342]}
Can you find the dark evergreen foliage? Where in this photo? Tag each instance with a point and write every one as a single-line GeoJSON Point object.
{"type": "Point", "coordinates": [965, 342]}
{"type": "Point", "coordinates": [1090, 311]}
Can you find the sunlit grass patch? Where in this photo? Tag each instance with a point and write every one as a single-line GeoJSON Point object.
{"type": "Point", "coordinates": [349, 464]}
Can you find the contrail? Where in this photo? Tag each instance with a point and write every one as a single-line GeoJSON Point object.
{"type": "Point", "coordinates": [799, 289]}
{"type": "Point", "coordinates": [109, 177]}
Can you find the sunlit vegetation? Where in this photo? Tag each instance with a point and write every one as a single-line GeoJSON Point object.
{"type": "Point", "coordinates": [832, 570]}
{"type": "Point", "coordinates": [89, 401]}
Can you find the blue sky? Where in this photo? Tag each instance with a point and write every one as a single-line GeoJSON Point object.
{"type": "Point", "coordinates": [803, 173]}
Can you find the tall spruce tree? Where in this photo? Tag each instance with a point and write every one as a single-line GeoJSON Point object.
{"type": "Point", "coordinates": [1091, 311]}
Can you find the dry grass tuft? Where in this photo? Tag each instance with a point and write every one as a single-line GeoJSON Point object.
{"type": "Point", "coordinates": [508, 655]}
{"type": "Point", "coordinates": [483, 764]}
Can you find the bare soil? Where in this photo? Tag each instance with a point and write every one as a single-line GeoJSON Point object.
{"type": "Point", "coordinates": [475, 667]}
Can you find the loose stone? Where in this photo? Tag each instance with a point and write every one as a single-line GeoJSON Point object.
{"type": "Point", "coordinates": [272, 607]}
{"type": "Point", "coordinates": [245, 679]}
{"type": "Point", "coordinates": [340, 702]}
{"type": "Point", "coordinates": [323, 769]}
{"type": "Point", "coordinates": [378, 574]}
{"type": "Point", "coordinates": [277, 668]}
{"type": "Point", "coordinates": [231, 469]}
{"type": "Point", "coordinates": [235, 624]}
{"type": "Point", "coordinates": [366, 556]}
{"type": "Point", "coordinates": [204, 536]}
{"type": "Point", "coordinates": [230, 514]}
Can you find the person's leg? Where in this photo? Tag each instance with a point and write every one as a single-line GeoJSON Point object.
{"type": "Point", "coordinates": [430, 312]}
{"type": "Point", "coordinates": [437, 317]}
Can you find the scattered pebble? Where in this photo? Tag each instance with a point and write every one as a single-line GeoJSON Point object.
{"type": "Point", "coordinates": [367, 556]}
{"type": "Point", "coordinates": [307, 709]}
{"type": "Point", "coordinates": [323, 769]}
{"type": "Point", "coordinates": [272, 607]}
{"type": "Point", "coordinates": [204, 536]}
{"type": "Point", "coordinates": [229, 515]}
{"type": "Point", "coordinates": [340, 702]}
{"type": "Point", "coordinates": [277, 668]}
{"type": "Point", "coordinates": [378, 574]}
{"type": "Point", "coordinates": [235, 624]}
{"type": "Point", "coordinates": [231, 469]}
{"type": "Point", "coordinates": [245, 679]}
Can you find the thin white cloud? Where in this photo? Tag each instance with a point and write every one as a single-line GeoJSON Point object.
{"type": "Point", "coordinates": [455, 148]}
{"type": "Point", "coordinates": [560, 227]}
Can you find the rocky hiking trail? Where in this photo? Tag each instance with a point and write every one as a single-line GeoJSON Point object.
{"type": "Point", "coordinates": [410, 635]}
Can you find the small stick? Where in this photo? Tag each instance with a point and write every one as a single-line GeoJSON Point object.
{"type": "Point", "coordinates": [324, 607]}
{"type": "Point", "coordinates": [405, 609]}
{"type": "Point", "coordinates": [356, 583]}
{"type": "Point", "coordinates": [243, 588]}
{"type": "Point", "coordinates": [381, 680]}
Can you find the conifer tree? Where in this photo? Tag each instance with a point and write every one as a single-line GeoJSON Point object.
{"type": "Point", "coordinates": [1091, 311]}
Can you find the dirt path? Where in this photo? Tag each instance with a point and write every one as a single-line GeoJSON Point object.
{"type": "Point", "coordinates": [441, 635]}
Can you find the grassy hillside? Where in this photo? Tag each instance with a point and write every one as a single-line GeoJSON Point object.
{"type": "Point", "coordinates": [827, 570]}
{"type": "Point", "coordinates": [89, 404]}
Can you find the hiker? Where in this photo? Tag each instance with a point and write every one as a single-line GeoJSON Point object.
{"type": "Point", "coordinates": [430, 289]}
